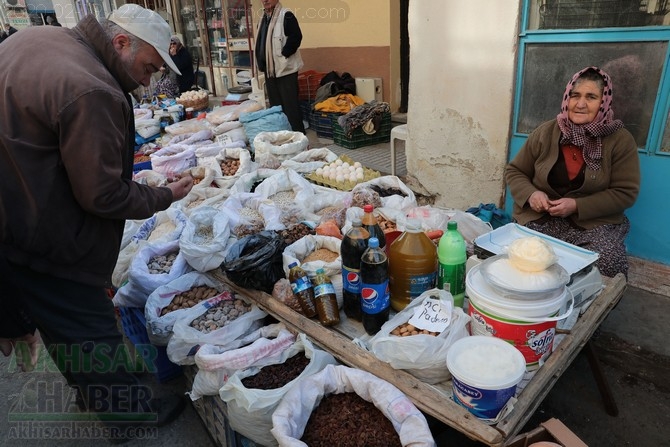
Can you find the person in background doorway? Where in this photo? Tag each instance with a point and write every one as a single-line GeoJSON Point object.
{"type": "Point", "coordinates": [577, 174]}
{"type": "Point", "coordinates": [53, 21]}
{"type": "Point", "coordinates": [66, 189]}
{"type": "Point", "coordinates": [278, 56]}
{"type": "Point", "coordinates": [182, 59]}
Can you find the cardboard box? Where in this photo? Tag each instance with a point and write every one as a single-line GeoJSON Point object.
{"type": "Point", "coordinates": [552, 430]}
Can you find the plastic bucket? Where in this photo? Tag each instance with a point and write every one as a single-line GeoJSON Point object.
{"type": "Point", "coordinates": [529, 325]}
{"type": "Point", "coordinates": [485, 372]}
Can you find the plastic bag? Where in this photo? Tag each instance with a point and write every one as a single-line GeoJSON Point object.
{"type": "Point", "coordinates": [205, 238]}
{"type": "Point", "coordinates": [491, 214]}
{"type": "Point", "coordinates": [141, 281]}
{"type": "Point", "coordinates": [310, 160]}
{"type": "Point", "coordinates": [423, 356]}
{"type": "Point", "coordinates": [173, 160]}
{"type": "Point", "coordinates": [291, 415]}
{"type": "Point", "coordinates": [255, 261]}
{"type": "Point", "coordinates": [159, 327]}
{"type": "Point", "coordinates": [216, 364]}
{"type": "Point", "coordinates": [272, 148]}
{"type": "Point", "coordinates": [250, 410]}
{"type": "Point", "coordinates": [186, 339]}
{"type": "Point", "coordinates": [267, 120]}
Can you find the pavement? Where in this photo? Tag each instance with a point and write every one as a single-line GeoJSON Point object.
{"type": "Point", "coordinates": [632, 347]}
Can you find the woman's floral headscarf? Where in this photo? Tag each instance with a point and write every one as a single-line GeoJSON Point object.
{"type": "Point", "coordinates": [589, 136]}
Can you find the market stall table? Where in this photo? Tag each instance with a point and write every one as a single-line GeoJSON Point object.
{"type": "Point", "coordinates": [436, 400]}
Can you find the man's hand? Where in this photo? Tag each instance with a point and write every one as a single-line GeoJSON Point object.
{"type": "Point", "coordinates": [26, 350]}
{"type": "Point", "coordinates": [181, 187]}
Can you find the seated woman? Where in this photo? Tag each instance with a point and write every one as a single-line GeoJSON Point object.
{"type": "Point", "coordinates": [576, 175]}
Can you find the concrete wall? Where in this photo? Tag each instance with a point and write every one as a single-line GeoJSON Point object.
{"type": "Point", "coordinates": [462, 61]}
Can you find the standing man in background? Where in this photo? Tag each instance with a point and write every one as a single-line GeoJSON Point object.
{"type": "Point", "coordinates": [278, 56]}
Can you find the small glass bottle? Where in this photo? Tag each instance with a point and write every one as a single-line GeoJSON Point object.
{"type": "Point", "coordinates": [302, 289]}
{"type": "Point", "coordinates": [326, 300]}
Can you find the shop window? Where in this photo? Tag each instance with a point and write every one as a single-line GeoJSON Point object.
{"type": "Point", "coordinates": [635, 69]}
{"type": "Point", "coordinates": [587, 14]}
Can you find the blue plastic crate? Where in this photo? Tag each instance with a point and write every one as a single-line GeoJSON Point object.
{"type": "Point", "coordinates": [321, 122]}
{"type": "Point", "coordinates": [155, 357]}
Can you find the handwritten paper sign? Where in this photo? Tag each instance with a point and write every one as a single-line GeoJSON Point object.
{"type": "Point", "coordinates": [432, 315]}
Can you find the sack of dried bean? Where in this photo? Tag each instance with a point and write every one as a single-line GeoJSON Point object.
{"type": "Point", "coordinates": [250, 409]}
{"type": "Point", "coordinates": [154, 265]}
{"type": "Point", "coordinates": [274, 147]}
{"type": "Point", "coordinates": [420, 354]}
{"type": "Point", "coordinates": [221, 321]}
{"type": "Point", "coordinates": [216, 363]}
{"type": "Point", "coordinates": [293, 412]}
{"type": "Point", "coordinates": [309, 160]}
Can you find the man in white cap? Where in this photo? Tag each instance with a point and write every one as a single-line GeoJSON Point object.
{"type": "Point", "coordinates": [66, 189]}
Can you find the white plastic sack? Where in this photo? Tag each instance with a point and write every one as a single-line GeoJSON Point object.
{"type": "Point", "coordinates": [200, 197]}
{"type": "Point", "coordinates": [309, 160]}
{"type": "Point", "coordinates": [205, 238]}
{"type": "Point", "coordinates": [423, 356]}
{"type": "Point", "coordinates": [216, 364]}
{"type": "Point", "coordinates": [272, 148]}
{"type": "Point", "coordinates": [147, 127]}
{"type": "Point", "coordinates": [291, 415]}
{"type": "Point", "coordinates": [227, 126]}
{"type": "Point", "coordinates": [270, 213]}
{"type": "Point", "coordinates": [188, 126]}
{"type": "Point", "coordinates": [163, 226]}
{"type": "Point", "coordinates": [284, 180]}
{"type": "Point", "coordinates": [232, 136]}
{"type": "Point", "coordinates": [246, 182]}
{"type": "Point", "coordinates": [402, 202]}
{"type": "Point", "coordinates": [236, 153]}
{"type": "Point", "coordinates": [150, 178]}
{"type": "Point", "coordinates": [300, 249]}
{"type": "Point", "coordinates": [141, 282]}
{"type": "Point", "coordinates": [159, 328]}
{"type": "Point", "coordinates": [173, 160]}
{"type": "Point", "coordinates": [186, 340]}
{"type": "Point", "coordinates": [250, 410]}
{"type": "Point", "coordinates": [222, 114]}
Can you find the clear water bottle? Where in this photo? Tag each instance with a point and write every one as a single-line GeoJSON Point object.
{"type": "Point", "coordinates": [375, 298]}
{"type": "Point", "coordinates": [452, 256]}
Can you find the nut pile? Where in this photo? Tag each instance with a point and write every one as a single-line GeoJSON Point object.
{"type": "Point", "coordinates": [161, 263]}
{"type": "Point", "coordinates": [348, 420]}
{"type": "Point", "coordinates": [190, 298]}
{"type": "Point", "coordinates": [406, 329]}
{"type": "Point", "coordinates": [384, 224]}
{"type": "Point", "coordinates": [220, 315]}
{"type": "Point", "coordinates": [296, 232]}
{"type": "Point", "coordinates": [245, 230]}
{"type": "Point", "coordinates": [229, 166]}
{"type": "Point", "coordinates": [276, 376]}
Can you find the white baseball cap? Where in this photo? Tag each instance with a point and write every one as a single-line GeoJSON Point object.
{"type": "Point", "coordinates": [148, 25]}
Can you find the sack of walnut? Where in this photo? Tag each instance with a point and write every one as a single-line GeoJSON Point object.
{"type": "Point", "coordinates": [216, 364]}
{"type": "Point", "coordinates": [169, 302]}
{"type": "Point", "coordinates": [221, 321]}
{"type": "Point", "coordinates": [291, 415]}
{"type": "Point", "coordinates": [250, 409]}
{"type": "Point", "coordinates": [421, 354]}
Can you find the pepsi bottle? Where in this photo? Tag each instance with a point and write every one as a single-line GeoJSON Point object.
{"type": "Point", "coordinates": [375, 297]}
{"type": "Point", "coordinates": [353, 245]}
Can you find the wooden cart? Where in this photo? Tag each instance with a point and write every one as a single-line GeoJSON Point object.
{"type": "Point", "coordinates": [436, 400]}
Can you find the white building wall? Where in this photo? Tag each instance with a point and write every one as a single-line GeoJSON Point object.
{"type": "Point", "coordinates": [462, 61]}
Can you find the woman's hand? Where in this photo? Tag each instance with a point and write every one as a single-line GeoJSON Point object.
{"type": "Point", "coordinates": [539, 202]}
{"type": "Point", "coordinates": [562, 207]}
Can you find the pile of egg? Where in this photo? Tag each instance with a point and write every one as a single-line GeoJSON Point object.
{"type": "Point", "coordinates": [340, 171]}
